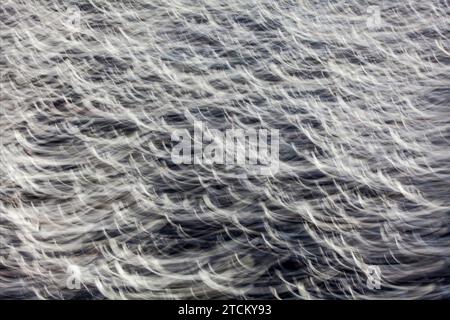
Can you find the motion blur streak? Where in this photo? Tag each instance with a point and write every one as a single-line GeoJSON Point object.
{"type": "Point", "coordinates": [92, 205]}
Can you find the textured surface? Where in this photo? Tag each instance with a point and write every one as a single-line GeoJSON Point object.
{"type": "Point", "coordinates": [91, 92]}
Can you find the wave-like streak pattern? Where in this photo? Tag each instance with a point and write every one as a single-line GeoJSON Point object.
{"type": "Point", "coordinates": [91, 92]}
